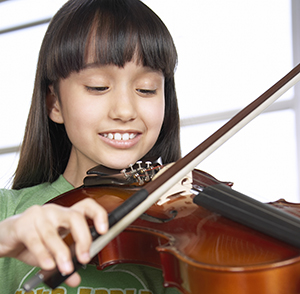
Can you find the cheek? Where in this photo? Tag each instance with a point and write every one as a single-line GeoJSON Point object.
{"type": "Point", "coordinates": [161, 112]}
{"type": "Point", "coordinates": [160, 118]}
{"type": "Point", "coordinates": [155, 116]}
{"type": "Point", "coordinates": [80, 111]}
{"type": "Point", "coordinates": [78, 120]}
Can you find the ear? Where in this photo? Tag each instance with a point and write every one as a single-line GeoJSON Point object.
{"type": "Point", "coordinates": [53, 106]}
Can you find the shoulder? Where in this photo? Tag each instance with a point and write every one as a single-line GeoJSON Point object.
{"type": "Point", "coordinates": [16, 201]}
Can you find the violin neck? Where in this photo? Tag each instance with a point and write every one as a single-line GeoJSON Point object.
{"type": "Point", "coordinates": [243, 209]}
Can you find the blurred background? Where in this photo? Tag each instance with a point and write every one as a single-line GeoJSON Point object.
{"type": "Point", "coordinates": [230, 52]}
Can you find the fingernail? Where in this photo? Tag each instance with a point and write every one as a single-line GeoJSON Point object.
{"type": "Point", "coordinates": [67, 266]}
{"type": "Point", "coordinates": [103, 227]}
{"type": "Point", "coordinates": [85, 257]}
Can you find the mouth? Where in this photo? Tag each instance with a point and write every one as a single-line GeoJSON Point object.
{"type": "Point", "coordinates": [119, 136]}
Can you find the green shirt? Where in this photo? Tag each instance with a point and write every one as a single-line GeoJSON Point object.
{"type": "Point", "coordinates": [116, 279]}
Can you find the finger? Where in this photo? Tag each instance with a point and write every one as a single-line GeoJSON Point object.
{"type": "Point", "coordinates": [53, 241]}
{"type": "Point", "coordinates": [90, 208]}
{"type": "Point", "coordinates": [52, 218]}
{"type": "Point", "coordinates": [36, 254]}
{"type": "Point", "coordinates": [73, 280]}
{"type": "Point", "coordinates": [18, 240]}
{"type": "Point", "coordinates": [74, 219]}
{"type": "Point", "coordinates": [80, 231]}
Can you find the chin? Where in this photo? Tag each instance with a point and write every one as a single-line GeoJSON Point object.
{"type": "Point", "coordinates": [119, 165]}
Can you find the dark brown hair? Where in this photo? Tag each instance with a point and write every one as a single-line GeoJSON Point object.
{"type": "Point", "coordinates": [116, 31]}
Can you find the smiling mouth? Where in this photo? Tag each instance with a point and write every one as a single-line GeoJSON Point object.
{"type": "Point", "coordinates": [119, 136]}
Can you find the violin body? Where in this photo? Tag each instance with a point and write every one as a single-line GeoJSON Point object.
{"type": "Point", "coordinates": [199, 252]}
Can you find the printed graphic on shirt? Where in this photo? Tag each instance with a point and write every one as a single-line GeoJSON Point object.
{"type": "Point", "coordinates": [86, 291]}
{"type": "Point", "coordinates": [118, 279]}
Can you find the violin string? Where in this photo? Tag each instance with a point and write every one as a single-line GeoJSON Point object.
{"type": "Point", "coordinates": [251, 202]}
{"type": "Point", "coordinates": [238, 207]}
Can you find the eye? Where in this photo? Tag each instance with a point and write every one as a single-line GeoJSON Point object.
{"type": "Point", "coordinates": [146, 91]}
{"type": "Point", "coordinates": [96, 89]}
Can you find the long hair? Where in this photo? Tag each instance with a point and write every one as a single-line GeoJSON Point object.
{"type": "Point", "coordinates": [116, 31]}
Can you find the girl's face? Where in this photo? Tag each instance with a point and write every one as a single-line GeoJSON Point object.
{"type": "Point", "coordinates": [112, 115]}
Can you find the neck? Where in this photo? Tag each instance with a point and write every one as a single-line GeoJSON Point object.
{"type": "Point", "coordinates": [76, 170]}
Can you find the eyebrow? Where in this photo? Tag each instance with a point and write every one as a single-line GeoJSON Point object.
{"type": "Point", "coordinates": [97, 64]}
{"type": "Point", "coordinates": [92, 65]}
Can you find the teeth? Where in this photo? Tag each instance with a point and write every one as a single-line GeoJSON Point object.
{"type": "Point", "coordinates": [125, 136]}
{"type": "Point", "coordinates": [119, 137]}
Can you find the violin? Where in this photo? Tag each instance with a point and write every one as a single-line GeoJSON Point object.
{"type": "Point", "coordinates": [201, 237]}
{"type": "Point", "coordinates": [192, 245]}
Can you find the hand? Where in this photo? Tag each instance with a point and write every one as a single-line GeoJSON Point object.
{"type": "Point", "coordinates": [33, 236]}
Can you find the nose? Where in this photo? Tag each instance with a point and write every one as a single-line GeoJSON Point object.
{"type": "Point", "coordinates": [123, 106]}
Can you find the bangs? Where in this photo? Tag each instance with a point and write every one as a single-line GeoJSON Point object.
{"type": "Point", "coordinates": [108, 32]}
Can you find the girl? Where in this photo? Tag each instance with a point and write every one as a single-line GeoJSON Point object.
{"type": "Point", "coordinates": [104, 94]}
